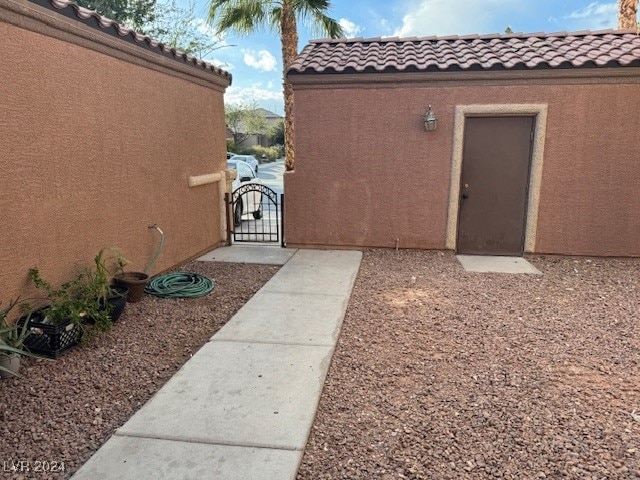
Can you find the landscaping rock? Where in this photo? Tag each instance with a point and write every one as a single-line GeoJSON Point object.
{"type": "Point", "coordinates": [62, 411]}
{"type": "Point", "coordinates": [444, 374]}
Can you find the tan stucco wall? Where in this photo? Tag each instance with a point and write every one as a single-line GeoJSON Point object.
{"type": "Point", "coordinates": [368, 174]}
{"type": "Point", "coordinates": [94, 150]}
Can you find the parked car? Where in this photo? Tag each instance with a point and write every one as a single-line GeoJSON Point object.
{"type": "Point", "coordinates": [250, 159]}
{"type": "Point", "coordinates": [247, 203]}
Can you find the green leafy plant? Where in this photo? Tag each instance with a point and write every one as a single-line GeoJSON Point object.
{"type": "Point", "coordinates": [109, 262]}
{"type": "Point", "coordinates": [120, 260]}
{"type": "Point", "coordinates": [74, 300]}
{"type": "Point", "coordinates": [97, 280]}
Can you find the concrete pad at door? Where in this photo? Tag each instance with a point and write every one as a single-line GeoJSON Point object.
{"type": "Point", "coordinates": [323, 272]}
{"type": "Point", "coordinates": [267, 255]}
{"type": "Point", "coordinates": [486, 264]}
{"type": "Point", "coordinates": [232, 393]}
{"type": "Point", "coordinates": [131, 458]}
{"type": "Point", "coordinates": [291, 318]}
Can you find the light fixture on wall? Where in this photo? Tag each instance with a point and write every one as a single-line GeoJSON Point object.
{"type": "Point", "coordinates": [430, 120]}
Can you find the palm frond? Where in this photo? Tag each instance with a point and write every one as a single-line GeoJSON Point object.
{"type": "Point", "coordinates": [276, 14]}
{"type": "Point", "coordinates": [313, 13]}
{"type": "Point", "coordinates": [241, 16]}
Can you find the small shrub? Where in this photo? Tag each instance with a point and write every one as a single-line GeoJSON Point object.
{"type": "Point", "coordinates": [76, 300]}
{"type": "Point", "coordinates": [271, 153]}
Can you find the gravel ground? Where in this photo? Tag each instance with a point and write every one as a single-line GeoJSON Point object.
{"type": "Point", "coordinates": [443, 374]}
{"type": "Point", "coordinates": [63, 411]}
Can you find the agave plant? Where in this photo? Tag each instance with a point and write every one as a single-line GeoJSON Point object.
{"type": "Point", "coordinates": [12, 335]}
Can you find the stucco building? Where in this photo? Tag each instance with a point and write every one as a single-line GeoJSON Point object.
{"type": "Point", "coordinates": [535, 146]}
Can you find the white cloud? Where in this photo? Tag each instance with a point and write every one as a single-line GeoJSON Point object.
{"type": "Point", "coordinates": [262, 60]}
{"type": "Point", "coordinates": [594, 9]}
{"type": "Point", "coordinates": [350, 29]}
{"type": "Point", "coordinates": [456, 17]}
{"type": "Point", "coordinates": [221, 64]}
{"type": "Point", "coordinates": [206, 29]}
{"type": "Point", "coordinates": [594, 16]}
{"type": "Point", "coordinates": [254, 92]}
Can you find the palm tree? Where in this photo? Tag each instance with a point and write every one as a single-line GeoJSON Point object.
{"type": "Point", "coordinates": [247, 16]}
{"type": "Point", "coordinates": [627, 13]}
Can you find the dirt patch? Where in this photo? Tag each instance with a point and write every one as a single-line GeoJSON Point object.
{"type": "Point", "coordinates": [63, 411]}
{"type": "Point", "coordinates": [445, 374]}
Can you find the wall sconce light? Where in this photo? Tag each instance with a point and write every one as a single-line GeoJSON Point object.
{"type": "Point", "coordinates": [430, 120]}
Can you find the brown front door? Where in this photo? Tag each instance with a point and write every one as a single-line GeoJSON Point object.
{"type": "Point", "coordinates": [494, 185]}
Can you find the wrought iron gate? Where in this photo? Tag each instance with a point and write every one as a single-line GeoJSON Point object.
{"type": "Point", "coordinates": [255, 214]}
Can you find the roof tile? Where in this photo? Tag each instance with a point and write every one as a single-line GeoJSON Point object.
{"type": "Point", "coordinates": [95, 20]}
{"type": "Point", "coordinates": [585, 49]}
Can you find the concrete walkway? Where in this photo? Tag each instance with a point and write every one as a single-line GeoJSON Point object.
{"type": "Point", "coordinates": [243, 406]}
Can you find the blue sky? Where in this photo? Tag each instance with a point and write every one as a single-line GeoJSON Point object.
{"type": "Point", "coordinates": [255, 60]}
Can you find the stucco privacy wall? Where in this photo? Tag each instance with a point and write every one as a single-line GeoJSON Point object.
{"type": "Point", "coordinates": [95, 148]}
{"type": "Point", "coordinates": [368, 174]}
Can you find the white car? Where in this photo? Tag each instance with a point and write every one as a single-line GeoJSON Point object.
{"type": "Point", "coordinates": [250, 159]}
{"type": "Point", "coordinates": [249, 202]}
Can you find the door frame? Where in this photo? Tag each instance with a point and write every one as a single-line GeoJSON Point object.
{"type": "Point", "coordinates": [539, 112]}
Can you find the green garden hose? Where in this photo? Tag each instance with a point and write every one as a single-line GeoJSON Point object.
{"type": "Point", "coordinates": [180, 285]}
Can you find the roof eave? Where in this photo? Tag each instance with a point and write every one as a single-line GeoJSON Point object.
{"type": "Point", "coordinates": [107, 27]}
{"type": "Point", "coordinates": [627, 74]}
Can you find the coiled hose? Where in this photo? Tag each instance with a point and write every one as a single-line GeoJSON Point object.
{"type": "Point", "coordinates": [180, 285]}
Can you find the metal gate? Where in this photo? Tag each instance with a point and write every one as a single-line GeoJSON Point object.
{"type": "Point", "coordinates": [255, 214]}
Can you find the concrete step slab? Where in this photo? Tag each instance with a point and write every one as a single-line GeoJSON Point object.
{"type": "Point", "coordinates": [267, 255]}
{"type": "Point", "coordinates": [131, 458]}
{"type": "Point", "coordinates": [287, 318]}
{"type": "Point", "coordinates": [232, 393]}
{"type": "Point", "coordinates": [320, 272]}
{"type": "Point", "coordinates": [496, 264]}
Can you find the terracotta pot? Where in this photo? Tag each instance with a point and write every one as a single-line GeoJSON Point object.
{"type": "Point", "coordinates": [135, 282]}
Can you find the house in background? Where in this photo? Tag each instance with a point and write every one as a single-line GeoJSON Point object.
{"type": "Point", "coordinates": [263, 138]}
{"type": "Point", "coordinates": [499, 144]}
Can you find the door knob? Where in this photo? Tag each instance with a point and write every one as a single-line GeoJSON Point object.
{"type": "Point", "coordinates": [465, 196]}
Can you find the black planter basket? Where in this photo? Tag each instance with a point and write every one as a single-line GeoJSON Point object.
{"type": "Point", "coordinates": [50, 340]}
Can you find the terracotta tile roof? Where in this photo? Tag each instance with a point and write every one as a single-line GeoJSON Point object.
{"type": "Point", "coordinates": [607, 48]}
{"type": "Point", "coordinates": [95, 20]}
